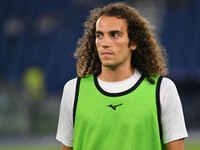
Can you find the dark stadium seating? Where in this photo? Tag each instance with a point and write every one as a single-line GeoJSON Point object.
{"type": "Point", "coordinates": [181, 37]}
{"type": "Point", "coordinates": [33, 42]}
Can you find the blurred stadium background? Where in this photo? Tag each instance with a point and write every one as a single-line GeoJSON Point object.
{"type": "Point", "coordinates": [37, 41]}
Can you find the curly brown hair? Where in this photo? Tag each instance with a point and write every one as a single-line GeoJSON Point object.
{"type": "Point", "coordinates": [149, 57]}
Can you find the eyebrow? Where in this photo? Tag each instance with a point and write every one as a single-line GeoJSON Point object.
{"type": "Point", "coordinates": [99, 32]}
{"type": "Point", "coordinates": [110, 32]}
{"type": "Point", "coordinates": [116, 31]}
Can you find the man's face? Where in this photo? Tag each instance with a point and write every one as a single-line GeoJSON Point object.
{"type": "Point", "coordinates": [112, 42]}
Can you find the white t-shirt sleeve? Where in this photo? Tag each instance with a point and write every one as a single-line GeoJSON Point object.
{"type": "Point", "coordinates": [172, 119]}
{"type": "Point", "coordinates": [65, 124]}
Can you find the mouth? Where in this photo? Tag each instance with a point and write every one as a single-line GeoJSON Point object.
{"type": "Point", "coordinates": [106, 53]}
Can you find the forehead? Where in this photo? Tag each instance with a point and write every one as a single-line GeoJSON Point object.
{"type": "Point", "coordinates": [106, 24]}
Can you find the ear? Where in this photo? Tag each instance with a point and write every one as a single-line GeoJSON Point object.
{"type": "Point", "coordinates": [133, 46]}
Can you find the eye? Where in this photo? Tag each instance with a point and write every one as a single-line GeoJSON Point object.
{"type": "Point", "coordinates": [115, 35]}
{"type": "Point", "coordinates": [99, 36]}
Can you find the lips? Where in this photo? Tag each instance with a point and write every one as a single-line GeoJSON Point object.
{"type": "Point", "coordinates": [106, 53]}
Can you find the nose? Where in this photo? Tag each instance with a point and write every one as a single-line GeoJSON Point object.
{"type": "Point", "coordinates": [105, 42]}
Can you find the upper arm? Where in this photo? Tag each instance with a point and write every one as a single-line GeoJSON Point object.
{"type": "Point", "coordinates": [63, 147]}
{"type": "Point", "coordinates": [65, 123]}
{"type": "Point", "coordinates": [172, 117]}
{"type": "Point", "coordinates": [175, 145]}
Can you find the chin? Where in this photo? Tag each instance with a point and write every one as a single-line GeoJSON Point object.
{"type": "Point", "coordinates": [109, 65]}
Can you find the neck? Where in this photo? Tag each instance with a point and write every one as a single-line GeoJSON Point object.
{"type": "Point", "coordinates": [114, 75]}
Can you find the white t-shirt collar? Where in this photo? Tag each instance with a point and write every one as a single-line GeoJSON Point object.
{"type": "Point", "coordinates": [120, 86]}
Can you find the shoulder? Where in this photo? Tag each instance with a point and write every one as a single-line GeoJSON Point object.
{"type": "Point", "coordinates": [168, 93]}
{"type": "Point", "coordinates": [70, 84]}
{"type": "Point", "coordinates": [167, 83]}
{"type": "Point", "coordinates": [69, 90]}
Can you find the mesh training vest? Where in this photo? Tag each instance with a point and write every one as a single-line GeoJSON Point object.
{"type": "Point", "coordinates": [117, 121]}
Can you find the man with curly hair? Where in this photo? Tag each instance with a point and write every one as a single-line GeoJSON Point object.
{"type": "Point", "coordinates": [120, 99]}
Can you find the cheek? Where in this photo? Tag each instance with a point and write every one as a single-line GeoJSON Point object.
{"type": "Point", "coordinates": [122, 44]}
{"type": "Point", "coordinates": [97, 43]}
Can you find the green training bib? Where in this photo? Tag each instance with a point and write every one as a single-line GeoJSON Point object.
{"type": "Point", "coordinates": [116, 121]}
